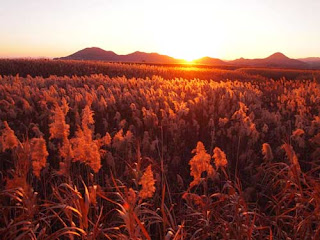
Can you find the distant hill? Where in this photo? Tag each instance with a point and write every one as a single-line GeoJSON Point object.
{"type": "Point", "coordinates": [276, 60]}
{"type": "Point", "coordinates": [93, 53]}
{"type": "Point", "coordinates": [99, 54]}
{"type": "Point", "coordinates": [149, 58]}
{"type": "Point", "coordinates": [313, 62]}
{"type": "Point", "coordinates": [209, 61]}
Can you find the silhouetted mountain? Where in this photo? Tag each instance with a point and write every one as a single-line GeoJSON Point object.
{"type": "Point", "coordinates": [277, 60]}
{"type": "Point", "coordinates": [313, 62]}
{"type": "Point", "coordinates": [278, 56]}
{"type": "Point", "coordinates": [149, 58]}
{"type": "Point", "coordinates": [209, 61]}
{"type": "Point", "coordinates": [310, 59]}
{"type": "Point", "coordinates": [95, 53]}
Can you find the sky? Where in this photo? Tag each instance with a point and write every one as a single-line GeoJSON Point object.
{"type": "Point", "coordinates": [226, 29]}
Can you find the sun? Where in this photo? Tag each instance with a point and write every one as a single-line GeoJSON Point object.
{"type": "Point", "coordinates": [188, 51]}
{"type": "Point", "coordinates": [185, 34]}
{"type": "Point", "coordinates": [189, 62]}
{"type": "Point", "coordinates": [189, 56]}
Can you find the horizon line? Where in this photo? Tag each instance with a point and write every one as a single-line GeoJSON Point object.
{"type": "Point", "coordinates": [227, 60]}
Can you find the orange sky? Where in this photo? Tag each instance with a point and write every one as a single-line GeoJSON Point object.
{"type": "Point", "coordinates": [182, 29]}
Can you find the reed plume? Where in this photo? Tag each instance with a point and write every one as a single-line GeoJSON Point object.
{"type": "Point", "coordinates": [8, 139]}
{"type": "Point", "coordinates": [200, 163]}
{"type": "Point", "coordinates": [220, 159]}
{"type": "Point", "coordinates": [267, 152]}
{"type": "Point", "coordinates": [147, 181]}
{"type": "Point", "coordinates": [39, 155]}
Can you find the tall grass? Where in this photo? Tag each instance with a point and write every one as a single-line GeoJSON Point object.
{"type": "Point", "coordinates": [96, 157]}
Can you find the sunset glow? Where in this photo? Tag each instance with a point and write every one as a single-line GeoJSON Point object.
{"type": "Point", "coordinates": [182, 29]}
{"type": "Point", "coordinates": [159, 119]}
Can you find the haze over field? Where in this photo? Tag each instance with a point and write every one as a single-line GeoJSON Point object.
{"type": "Point", "coordinates": [181, 29]}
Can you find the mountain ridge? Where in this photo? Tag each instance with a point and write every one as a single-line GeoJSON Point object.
{"type": "Point", "coordinates": [99, 54]}
{"type": "Point", "coordinates": [275, 60]}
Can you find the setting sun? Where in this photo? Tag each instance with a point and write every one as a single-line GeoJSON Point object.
{"type": "Point", "coordinates": [181, 29]}
{"type": "Point", "coordinates": [185, 34]}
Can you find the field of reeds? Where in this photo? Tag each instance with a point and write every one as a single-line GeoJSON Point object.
{"type": "Point", "coordinates": [46, 68]}
{"type": "Point", "coordinates": [128, 151]}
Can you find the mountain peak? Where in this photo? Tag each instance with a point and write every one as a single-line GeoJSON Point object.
{"type": "Point", "coordinates": [276, 60]}
{"type": "Point", "coordinates": [92, 53]}
{"type": "Point", "coordinates": [98, 54]}
{"type": "Point", "coordinates": [92, 48]}
{"type": "Point", "coordinates": [209, 61]}
{"type": "Point", "coordinates": [277, 55]}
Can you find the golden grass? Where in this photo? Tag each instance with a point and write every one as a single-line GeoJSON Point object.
{"type": "Point", "coordinates": [99, 157]}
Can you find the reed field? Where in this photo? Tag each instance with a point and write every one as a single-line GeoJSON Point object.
{"type": "Point", "coordinates": [93, 150]}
